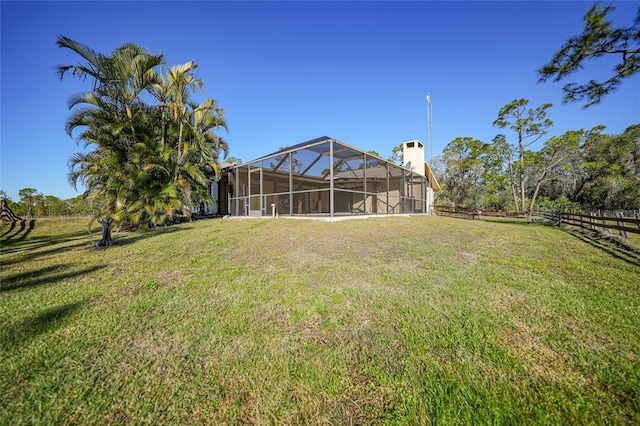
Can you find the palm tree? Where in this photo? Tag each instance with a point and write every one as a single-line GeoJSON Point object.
{"type": "Point", "coordinates": [119, 79]}
{"type": "Point", "coordinates": [200, 165]}
{"type": "Point", "coordinates": [145, 161]}
{"type": "Point", "coordinates": [175, 91]}
{"type": "Point", "coordinates": [189, 129]}
{"type": "Point", "coordinates": [111, 118]}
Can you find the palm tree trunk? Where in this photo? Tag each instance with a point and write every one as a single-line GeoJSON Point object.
{"type": "Point", "coordinates": [106, 232]}
{"type": "Point", "coordinates": [179, 158]}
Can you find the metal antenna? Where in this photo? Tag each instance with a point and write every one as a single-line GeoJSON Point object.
{"type": "Point", "coordinates": [429, 141]}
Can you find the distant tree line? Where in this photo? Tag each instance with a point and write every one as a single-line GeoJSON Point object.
{"type": "Point", "coordinates": [35, 204]}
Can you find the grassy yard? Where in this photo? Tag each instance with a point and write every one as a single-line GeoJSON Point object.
{"type": "Point", "coordinates": [397, 320]}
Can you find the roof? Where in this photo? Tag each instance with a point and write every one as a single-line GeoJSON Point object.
{"type": "Point", "coordinates": [319, 146]}
{"type": "Point", "coordinates": [299, 145]}
{"type": "Point", "coordinates": [345, 152]}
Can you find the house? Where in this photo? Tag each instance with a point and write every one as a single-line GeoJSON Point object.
{"type": "Point", "coordinates": [325, 177]}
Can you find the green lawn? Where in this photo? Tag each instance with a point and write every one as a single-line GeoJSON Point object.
{"type": "Point", "coordinates": [397, 320]}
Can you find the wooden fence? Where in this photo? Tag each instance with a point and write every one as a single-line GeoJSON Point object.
{"type": "Point", "coordinates": [622, 221]}
{"type": "Point", "coordinates": [478, 213]}
{"type": "Point", "coordinates": [595, 221]}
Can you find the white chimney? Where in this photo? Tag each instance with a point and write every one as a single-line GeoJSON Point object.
{"type": "Point", "coordinates": [413, 156]}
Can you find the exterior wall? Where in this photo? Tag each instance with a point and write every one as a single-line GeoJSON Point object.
{"type": "Point", "coordinates": [219, 191]}
{"type": "Point", "coordinates": [430, 200]}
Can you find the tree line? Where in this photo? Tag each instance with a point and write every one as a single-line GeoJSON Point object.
{"type": "Point", "coordinates": [583, 169]}
{"type": "Point", "coordinates": [33, 203]}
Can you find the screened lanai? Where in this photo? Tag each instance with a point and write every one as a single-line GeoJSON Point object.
{"type": "Point", "coordinates": [323, 177]}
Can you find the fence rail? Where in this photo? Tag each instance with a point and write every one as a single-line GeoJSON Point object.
{"type": "Point", "coordinates": [624, 222]}
{"type": "Point", "coordinates": [478, 213]}
{"type": "Point", "coordinates": [595, 221]}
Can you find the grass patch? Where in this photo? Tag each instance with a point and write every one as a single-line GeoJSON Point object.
{"type": "Point", "coordinates": [397, 320]}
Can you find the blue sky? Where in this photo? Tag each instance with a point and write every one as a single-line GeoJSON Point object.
{"type": "Point", "coordinates": [286, 72]}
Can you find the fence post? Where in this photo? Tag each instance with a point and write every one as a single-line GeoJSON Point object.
{"type": "Point", "coordinates": [581, 219]}
{"type": "Point", "coordinates": [605, 230]}
{"type": "Point", "coordinates": [592, 221]}
{"type": "Point", "coordinates": [623, 234]}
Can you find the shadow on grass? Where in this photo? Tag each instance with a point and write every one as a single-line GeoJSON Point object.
{"type": "Point", "coordinates": [10, 243]}
{"type": "Point", "coordinates": [495, 219]}
{"type": "Point", "coordinates": [11, 228]}
{"type": "Point", "coordinates": [40, 277]}
{"type": "Point", "coordinates": [21, 233]}
{"type": "Point", "coordinates": [50, 245]}
{"type": "Point", "coordinates": [607, 245]}
{"type": "Point", "coordinates": [36, 244]}
{"type": "Point", "coordinates": [133, 237]}
{"type": "Point", "coordinates": [44, 247]}
{"type": "Point", "coordinates": [46, 321]}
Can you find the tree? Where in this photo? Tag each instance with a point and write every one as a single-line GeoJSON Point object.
{"type": "Point", "coordinates": [499, 175]}
{"type": "Point", "coordinates": [463, 159]}
{"type": "Point", "coordinates": [188, 135]}
{"type": "Point", "coordinates": [284, 162]}
{"type": "Point", "coordinates": [372, 160]}
{"type": "Point", "coordinates": [40, 204]}
{"type": "Point", "coordinates": [608, 173]}
{"type": "Point", "coordinates": [27, 200]}
{"type": "Point", "coordinates": [179, 84]}
{"type": "Point", "coordinates": [78, 206]}
{"type": "Point", "coordinates": [438, 168]}
{"type": "Point", "coordinates": [530, 125]}
{"type": "Point", "coordinates": [148, 162]}
{"type": "Point", "coordinates": [552, 161]}
{"type": "Point", "coordinates": [396, 155]}
{"type": "Point", "coordinates": [234, 160]}
{"type": "Point", "coordinates": [54, 206]}
{"type": "Point", "coordinates": [599, 38]}
{"type": "Point", "coordinates": [108, 117]}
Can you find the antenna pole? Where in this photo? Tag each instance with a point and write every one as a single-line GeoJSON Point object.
{"type": "Point", "coordinates": [429, 141]}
